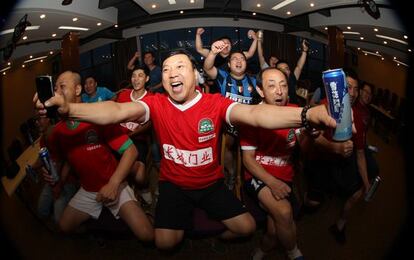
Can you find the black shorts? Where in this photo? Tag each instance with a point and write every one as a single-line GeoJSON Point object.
{"type": "Point", "coordinates": [175, 205]}
{"type": "Point", "coordinates": [142, 147]}
{"type": "Point", "coordinates": [253, 186]}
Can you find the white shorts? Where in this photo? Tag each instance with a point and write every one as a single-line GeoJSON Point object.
{"type": "Point", "coordinates": [85, 201]}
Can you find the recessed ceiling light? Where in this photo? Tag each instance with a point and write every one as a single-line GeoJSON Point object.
{"type": "Point", "coordinates": [377, 52]}
{"type": "Point", "coordinates": [405, 37]}
{"type": "Point", "coordinates": [259, 5]}
{"type": "Point", "coordinates": [359, 48]}
{"type": "Point", "coordinates": [348, 27]}
{"type": "Point", "coordinates": [4, 73]}
{"type": "Point", "coordinates": [172, 2]}
{"type": "Point", "coordinates": [362, 38]}
{"type": "Point", "coordinates": [54, 35]}
{"type": "Point", "coordinates": [41, 60]}
{"type": "Point", "coordinates": [282, 4]}
{"type": "Point", "coordinates": [73, 28]}
{"type": "Point", "coordinates": [154, 6]}
{"type": "Point", "coordinates": [385, 42]}
{"type": "Point", "coordinates": [8, 63]}
{"type": "Point", "coordinates": [312, 4]}
{"type": "Point", "coordinates": [366, 54]}
{"type": "Point", "coordinates": [181, 12]}
{"type": "Point", "coordinates": [408, 50]}
{"type": "Point", "coordinates": [116, 26]}
{"type": "Point", "coordinates": [189, 31]}
{"type": "Point", "coordinates": [23, 66]}
{"type": "Point", "coordinates": [395, 58]}
{"type": "Point", "coordinates": [382, 58]}
{"type": "Point", "coordinates": [326, 28]}
{"type": "Point", "coordinates": [288, 13]}
{"type": "Point", "coordinates": [42, 16]}
{"type": "Point", "coordinates": [99, 24]}
{"type": "Point", "coordinates": [375, 30]}
{"type": "Point", "coordinates": [391, 39]}
{"type": "Point", "coordinates": [254, 13]}
{"type": "Point", "coordinates": [192, 1]}
{"type": "Point", "coordinates": [398, 64]}
{"type": "Point", "coordinates": [75, 19]}
{"type": "Point", "coordinates": [24, 38]}
{"type": "Point", "coordinates": [50, 52]}
{"type": "Point", "coordinates": [31, 56]}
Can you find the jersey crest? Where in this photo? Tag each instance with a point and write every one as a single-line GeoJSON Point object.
{"type": "Point", "coordinates": [205, 125]}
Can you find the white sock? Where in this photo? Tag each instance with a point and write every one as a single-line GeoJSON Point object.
{"type": "Point", "coordinates": [147, 197]}
{"type": "Point", "coordinates": [295, 252]}
{"type": "Point", "coordinates": [258, 254]}
{"type": "Point", "coordinates": [340, 224]}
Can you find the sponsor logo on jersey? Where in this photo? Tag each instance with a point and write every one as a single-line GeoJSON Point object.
{"type": "Point", "coordinates": [188, 158]}
{"type": "Point", "coordinates": [206, 138]}
{"type": "Point", "coordinates": [91, 137]}
{"type": "Point", "coordinates": [291, 135]}
{"type": "Point", "coordinates": [205, 125]}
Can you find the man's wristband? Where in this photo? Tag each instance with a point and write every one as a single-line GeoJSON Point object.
{"type": "Point", "coordinates": [305, 122]}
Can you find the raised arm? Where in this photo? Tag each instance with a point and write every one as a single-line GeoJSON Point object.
{"type": "Point", "coordinates": [199, 43]}
{"type": "Point", "coordinates": [209, 68]}
{"type": "Point", "coordinates": [277, 117]}
{"type": "Point", "coordinates": [262, 60]}
{"type": "Point", "coordinates": [102, 113]}
{"type": "Point", "coordinates": [302, 60]}
{"type": "Point", "coordinates": [131, 63]}
{"type": "Point", "coordinates": [253, 46]}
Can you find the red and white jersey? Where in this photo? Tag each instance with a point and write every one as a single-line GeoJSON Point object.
{"type": "Point", "coordinates": [189, 137]}
{"type": "Point", "coordinates": [126, 96]}
{"type": "Point", "coordinates": [273, 149]}
{"type": "Point", "coordinates": [89, 150]}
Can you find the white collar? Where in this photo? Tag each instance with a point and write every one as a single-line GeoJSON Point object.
{"type": "Point", "coordinates": [136, 99]}
{"type": "Point", "coordinates": [189, 104]}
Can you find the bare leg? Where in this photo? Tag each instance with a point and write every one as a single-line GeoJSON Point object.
{"type": "Point", "coordinates": [136, 219]}
{"type": "Point", "coordinates": [167, 239]}
{"type": "Point", "coordinates": [239, 226]}
{"type": "Point", "coordinates": [71, 219]}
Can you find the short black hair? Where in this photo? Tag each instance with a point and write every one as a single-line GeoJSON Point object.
{"type": "Point", "coordinates": [143, 68]}
{"type": "Point", "coordinates": [150, 52]}
{"type": "Point", "coordinates": [234, 52]}
{"type": "Point", "coordinates": [280, 62]}
{"type": "Point", "coordinates": [351, 73]}
{"type": "Point", "coordinates": [259, 77]}
{"type": "Point", "coordinates": [225, 37]}
{"type": "Point", "coordinates": [185, 52]}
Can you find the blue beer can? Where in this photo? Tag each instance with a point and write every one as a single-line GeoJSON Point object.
{"type": "Point", "coordinates": [48, 163]}
{"type": "Point", "coordinates": [339, 105]}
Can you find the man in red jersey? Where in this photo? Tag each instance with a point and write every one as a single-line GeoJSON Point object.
{"type": "Point", "coordinates": [87, 148]}
{"type": "Point", "coordinates": [267, 156]}
{"type": "Point", "coordinates": [188, 125]}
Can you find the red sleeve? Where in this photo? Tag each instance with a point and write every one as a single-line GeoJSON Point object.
{"type": "Point", "coordinates": [359, 138]}
{"type": "Point", "coordinates": [248, 136]}
{"type": "Point", "coordinates": [225, 103]}
{"type": "Point", "coordinates": [116, 139]}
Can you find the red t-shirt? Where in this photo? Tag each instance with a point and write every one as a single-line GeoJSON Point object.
{"type": "Point", "coordinates": [362, 117]}
{"type": "Point", "coordinates": [273, 149]}
{"type": "Point", "coordinates": [189, 137]}
{"type": "Point", "coordinates": [87, 148]}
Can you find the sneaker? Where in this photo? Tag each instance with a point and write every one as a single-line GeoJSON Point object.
{"type": "Point", "coordinates": [339, 235]}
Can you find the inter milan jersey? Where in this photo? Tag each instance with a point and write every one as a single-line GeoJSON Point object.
{"type": "Point", "coordinates": [241, 91]}
{"type": "Point", "coordinates": [189, 137]}
{"type": "Point", "coordinates": [273, 149]}
{"type": "Point", "coordinates": [88, 149]}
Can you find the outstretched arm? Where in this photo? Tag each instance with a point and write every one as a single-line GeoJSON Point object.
{"type": "Point", "coordinates": [199, 43]}
{"type": "Point", "coordinates": [277, 117]}
{"type": "Point", "coordinates": [102, 113]}
{"type": "Point", "coordinates": [253, 46]}
{"type": "Point", "coordinates": [302, 60]}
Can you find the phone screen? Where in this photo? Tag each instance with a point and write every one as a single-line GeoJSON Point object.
{"type": "Point", "coordinates": [45, 91]}
{"type": "Point", "coordinates": [44, 88]}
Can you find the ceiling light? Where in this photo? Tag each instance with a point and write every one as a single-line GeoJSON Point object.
{"type": "Point", "coordinates": [75, 19]}
{"type": "Point", "coordinates": [99, 24]}
{"type": "Point", "coordinates": [50, 52]}
{"type": "Point", "coordinates": [116, 26]}
{"type": "Point", "coordinates": [391, 39]}
{"type": "Point", "coordinates": [24, 38]}
{"type": "Point", "coordinates": [348, 27]}
{"type": "Point", "coordinates": [282, 4]}
{"type": "Point", "coordinates": [395, 58]}
{"type": "Point", "coordinates": [288, 13]}
{"type": "Point", "coordinates": [23, 66]}
{"type": "Point", "coordinates": [9, 63]}
{"type": "Point", "coordinates": [54, 35]}
{"type": "Point", "coordinates": [4, 73]}
{"type": "Point", "coordinates": [359, 48]}
{"type": "Point", "coordinates": [375, 30]}
{"type": "Point", "coordinates": [154, 6]}
{"type": "Point", "coordinates": [409, 50]}
{"type": "Point", "coordinates": [31, 56]}
{"type": "Point", "coordinates": [7, 68]}
{"type": "Point", "coordinates": [405, 37]}
{"type": "Point", "coordinates": [326, 28]}
{"type": "Point", "coordinates": [192, 1]}
{"type": "Point", "coordinates": [41, 60]}
{"type": "Point", "coordinates": [73, 28]}
{"type": "Point", "coordinates": [366, 54]}
{"type": "Point", "coordinates": [377, 52]}
{"type": "Point", "coordinates": [400, 63]}
{"type": "Point", "coordinates": [259, 5]}
{"type": "Point", "coordinates": [312, 4]}
{"type": "Point", "coordinates": [385, 42]}
{"type": "Point", "coordinates": [254, 13]}
{"type": "Point", "coordinates": [38, 58]}
{"type": "Point", "coordinates": [347, 32]}
{"type": "Point", "coordinates": [42, 16]}
{"type": "Point", "coordinates": [28, 28]}
{"type": "Point", "coordinates": [172, 2]}
{"type": "Point", "coordinates": [181, 12]}
{"type": "Point", "coordinates": [382, 58]}
{"type": "Point", "coordinates": [362, 38]}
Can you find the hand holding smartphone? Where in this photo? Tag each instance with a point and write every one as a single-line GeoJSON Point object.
{"type": "Point", "coordinates": [45, 91]}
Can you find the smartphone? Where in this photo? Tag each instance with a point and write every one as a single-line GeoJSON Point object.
{"type": "Point", "coordinates": [45, 91]}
